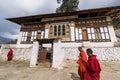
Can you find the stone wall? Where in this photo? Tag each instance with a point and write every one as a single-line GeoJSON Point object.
{"type": "Point", "coordinates": [111, 53]}
{"type": "Point", "coordinates": [21, 52]}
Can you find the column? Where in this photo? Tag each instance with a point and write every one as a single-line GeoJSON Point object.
{"type": "Point", "coordinates": [42, 34]}
{"type": "Point", "coordinates": [72, 31]}
{"type": "Point", "coordinates": [46, 30]}
{"type": "Point", "coordinates": [19, 38]}
{"type": "Point", "coordinates": [34, 54]}
{"type": "Point", "coordinates": [58, 55]}
{"type": "Point", "coordinates": [111, 29]}
{"type": "Point", "coordinates": [76, 33]}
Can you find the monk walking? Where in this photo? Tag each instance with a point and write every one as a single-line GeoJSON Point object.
{"type": "Point", "coordinates": [10, 55]}
{"type": "Point", "coordinates": [92, 66]}
{"type": "Point", "coordinates": [82, 63]}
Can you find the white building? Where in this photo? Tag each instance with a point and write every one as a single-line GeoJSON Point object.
{"type": "Point", "coordinates": [86, 28]}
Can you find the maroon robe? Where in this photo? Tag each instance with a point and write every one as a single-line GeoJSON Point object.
{"type": "Point", "coordinates": [10, 54]}
{"type": "Point", "coordinates": [93, 68]}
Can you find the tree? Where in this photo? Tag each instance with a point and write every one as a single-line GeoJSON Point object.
{"type": "Point", "coordinates": [67, 6]}
{"type": "Point", "coordinates": [116, 22]}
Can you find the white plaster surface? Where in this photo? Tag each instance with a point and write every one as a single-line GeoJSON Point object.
{"type": "Point", "coordinates": [21, 52]}
{"type": "Point", "coordinates": [111, 30]}
{"type": "Point", "coordinates": [58, 55]}
{"type": "Point", "coordinates": [46, 33]}
{"type": "Point", "coordinates": [72, 44]}
{"type": "Point", "coordinates": [34, 54]}
{"type": "Point", "coordinates": [112, 34]}
{"type": "Point", "coordinates": [72, 33]}
{"type": "Point", "coordinates": [76, 33]}
{"type": "Point", "coordinates": [19, 38]}
{"type": "Point", "coordinates": [107, 54]}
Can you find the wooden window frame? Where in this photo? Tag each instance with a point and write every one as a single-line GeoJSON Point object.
{"type": "Point", "coordinates": [97, 33]}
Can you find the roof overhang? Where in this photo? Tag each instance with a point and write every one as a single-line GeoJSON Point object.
{"type": "Point", "coordinates": [98, 12]}
{"type": "Point", "coordinates": [48, 40]}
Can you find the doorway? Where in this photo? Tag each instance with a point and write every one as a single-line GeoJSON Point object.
{"type": "Point", "coordinates": [45, 53]}
{"type": "Point", "coordinates": [85, 35]}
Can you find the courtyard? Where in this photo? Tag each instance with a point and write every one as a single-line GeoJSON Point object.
{"type": "Point", "coordinates": [16, 70]}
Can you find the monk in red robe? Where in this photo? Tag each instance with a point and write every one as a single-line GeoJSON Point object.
{"type": "Point", "coordinates": [82, 63]}
{"type": "Point", "coordinates": [92, 66]}
{"type": "Point", "coordinates": [10, 55]}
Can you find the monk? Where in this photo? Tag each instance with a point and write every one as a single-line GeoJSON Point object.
{"type": "Point", "coordinates": [10, 55]}
{"type": "Point", "coordinates": [82, 63]}
{"type": "Point", "coordinates": [92, 66]}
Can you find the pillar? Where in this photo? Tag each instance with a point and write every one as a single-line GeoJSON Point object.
{"type": "Point", "coordinates": [111, 29]}
{"type": "Point", "coordinates": [19, 38]}
{"type": "Point", "coordinates": [58, 55]}
{"type": "Point", "coordinates": [34, 54]}
{"type": "Point", "coordinates": [72, 31]}
{"type": "Point", "coordinates": [46, 30]}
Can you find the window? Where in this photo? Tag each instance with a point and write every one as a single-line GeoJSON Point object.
{"type": "Point", "coordinates": [24, 36]}
{"type": "Point", "coordinates": [80, 33]}
{"type": "Point", "coordinates": [59, 30]}
{"type": "Point", "coordinates": [33, 35]}
{"type": "Point", "coordinates": [55, 30]}
{"type": "Point", "coordinates": [28, 36]}
{"type": "Point", "coordinates": [91, 33]}
{"type": "Point", "coordinates": [105, 33]}
{"type": "Point", "coordinates": [63, 30]}
{"type": "Point", "coordinates": [98, 34]}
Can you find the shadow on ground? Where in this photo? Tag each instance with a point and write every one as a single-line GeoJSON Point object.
{"type": "Point", "coordinates": [74, 76]}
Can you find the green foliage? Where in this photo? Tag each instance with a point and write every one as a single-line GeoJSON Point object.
{"type": "Point", "coordinates": [68, 6]}
{"type": "Point", "coordinates": [116, 22]}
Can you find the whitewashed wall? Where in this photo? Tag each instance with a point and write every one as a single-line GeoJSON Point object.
{"type": "Point", "coordinates": [21, 52]}
{"type": "Point", "coordinates": [109, 54]}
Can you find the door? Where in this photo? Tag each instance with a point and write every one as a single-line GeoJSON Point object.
{"type": "Point", "coordinates": [85, 35]}
{"type": "Point", "coordinates": [38, 36]}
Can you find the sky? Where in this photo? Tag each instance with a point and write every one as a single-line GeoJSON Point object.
{"type": "Point", "coordinates": [19, 8]}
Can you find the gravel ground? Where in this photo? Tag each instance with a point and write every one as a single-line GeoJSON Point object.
{"type": "Point", "coordinates": [16, 70]}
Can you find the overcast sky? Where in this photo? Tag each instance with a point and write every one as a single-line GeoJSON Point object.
{"type": "Point", "coordinates": [17, 8]}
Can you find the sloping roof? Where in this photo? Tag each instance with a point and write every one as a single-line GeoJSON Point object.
{"type": "Point", "coordinates": [117, 33]}
{"type": "Point", "coordinates": [98, 12]}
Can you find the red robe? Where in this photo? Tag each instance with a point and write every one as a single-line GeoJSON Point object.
{"type": "Point", "coordinates": [93, 68]}
{"type": "Point", "coordinates": [10, 54]}
{"type": "Point", "coordinates": [82, 64]}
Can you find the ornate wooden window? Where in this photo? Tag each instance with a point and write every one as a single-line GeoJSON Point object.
{"type": "Point", "coordinates": [91, 33]}
{"type": "Point", "coordinates": [59, 30]}
{"type": "Point", "coordinates": [62, 31]}
{"type": "Point", "coordinates": [79, 34]}
{"type": "Point", "coordinates": [33, 35]}
{"type": "Point", "coordinates": [28, 36]}
{"type": "Point", "coordinates": [98, 34]}
{"type": "Point", "coordinates": [105, 33]}
{"type": "Point", "coordinates": [55, 30]}
{"type": "Point", "coordinates": [24, 36]}
{"type": "Point", "coordinates": [51, 30]}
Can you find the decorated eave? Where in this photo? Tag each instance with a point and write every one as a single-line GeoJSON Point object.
{"type": "Point", "coordinates": [82, 14]}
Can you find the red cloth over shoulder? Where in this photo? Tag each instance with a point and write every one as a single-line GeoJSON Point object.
{"type": "Point", "coordinates": [93, 68]}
